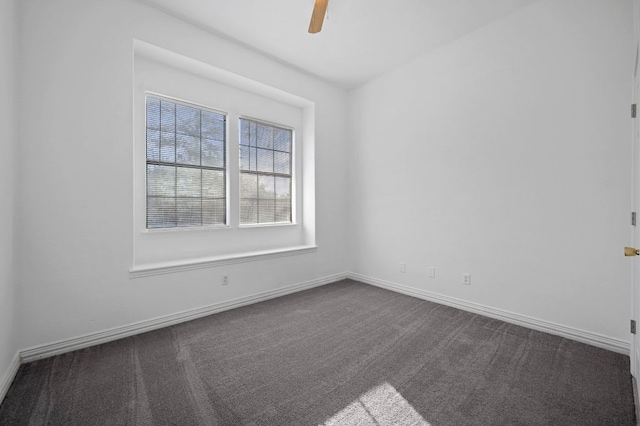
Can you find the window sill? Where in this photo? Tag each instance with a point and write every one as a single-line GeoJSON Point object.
{"type": "Point", "coordinates": [266, 225]}
{"type": "Point", "coordinates": [190, 264]}
{"type": "Point", "coordinates": [178, 229]}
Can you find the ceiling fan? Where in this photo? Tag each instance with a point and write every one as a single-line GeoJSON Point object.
{"type": "Point", "coordinates": [317, 17]}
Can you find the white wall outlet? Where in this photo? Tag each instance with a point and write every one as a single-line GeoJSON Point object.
{"type": "Point", "coordinates": [225, 280]}
{"type": "Point", "coordinates": [431, 271]}
{"type": "Point", "coordinates": [466, 279]}
{"type": "Point", "coordinates": [403, 267]}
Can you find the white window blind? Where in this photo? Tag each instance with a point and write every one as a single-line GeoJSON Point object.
{"type": "Point", "coordinates": [186, 166]}
{"type": "Point", "coordinates": [265, 172]}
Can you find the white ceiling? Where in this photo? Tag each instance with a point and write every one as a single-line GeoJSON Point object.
{"type": "Point", "coordinates": [360, 39]}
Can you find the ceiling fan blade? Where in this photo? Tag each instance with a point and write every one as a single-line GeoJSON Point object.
{"type": "Point", "coordinates": [317, 18]}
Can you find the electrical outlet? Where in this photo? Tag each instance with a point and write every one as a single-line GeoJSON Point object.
{"type": "Point", "coordinates": [431, 271]}
{"type": "Point", "coordinates": [466, 279]}
{"type": "Point", "coordinates": [403, 267]}
{"type": "Point", "coordinates": [225, 280]}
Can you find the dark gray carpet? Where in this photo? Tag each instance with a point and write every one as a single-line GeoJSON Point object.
{"type": "Point", "coordinates": [342, 354]}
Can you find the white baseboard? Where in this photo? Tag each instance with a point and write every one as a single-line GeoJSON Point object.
{"type": "Point", "coordinates": [7, 379]}
{"type": "Point", "coordinates": [594, 339]}
{"type": "Point", "coordinates": [93, 339]}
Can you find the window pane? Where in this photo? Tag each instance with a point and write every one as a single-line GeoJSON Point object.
{"type": "Point", "coordinates": [283, 188]}
{"type": "Point", "coordinates": [168, 147]}
{"type": "Point", "coordinates": [266, 210]}
{"type": "Point", "coordinates": [167, 116]}
{"type": "Point", "coordinates": [187, 120]}
{"type": "Point", "coordinates": [248, 132]}
{"type": "Point", "coordinates": [245, 132]}
{"type": "Point", "coordinates": [282, 140]}
{"type": "Point", "coordinates": [212, 153]}
{"type": "Point", "coordinates": [189, 211]}
{"type": "Point", "coordinates": [153, 114]}
{"type": "Point", "coordinates": [161, 212]}
{"type": "Point", "coordinates": [213, 125]}
{"type": "Point", "coordinates": [214, 212]}
{"type": "Point", "coordinates": [189, 182]}
{"type": "Point", "coordinates": [265, 160]}
{"type": "Point", "coordinates": [248, 185]}
{"type": "Point", "coordinates": [245, 158]}
{"type": "Point", "coordinates": [248, 158]}
{"type": "Point", "coordinates": [187, 149]}
{"type": "Point", "coordinates": [161, 180]}
{"type": "Point", "coordinates": [253, 133]}
{"type": "Point", "coordinates": [253, 161]}
{"type": "Point", "coordinates": [248, 211]}
{"type": "Point", "coordinates": [213, 185]}
{"type": "Point", "coordinates": [265, 136]}
{"type": "Point", "coordinates": [283, 211]}
{"type": "Point", "coordinates": [153, 145]}
{"type": "Point", "coordinates": [281, 162]}
{"type": "Point", "coordinates": [266, 187]}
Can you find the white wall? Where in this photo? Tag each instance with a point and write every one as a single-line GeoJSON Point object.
{"type": "Point", "coordinates": [75, 171]}
{"type": "Point", "coordinates": [7, 137]}
{"type": "Point", "coordinates": [505, 154]}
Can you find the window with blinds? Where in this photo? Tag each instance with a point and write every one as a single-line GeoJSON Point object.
{"type": "Point", "coordinates": [265, 172]}
{"type": "Point", "coordinates": [186, 167]}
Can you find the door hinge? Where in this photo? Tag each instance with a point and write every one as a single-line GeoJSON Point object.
{"type": "Point", "coordinates": [633, 218]}
{"type": "Point", "coordinates": [633, 326]}
{"type": "Point", "coordinates": [633, 110]}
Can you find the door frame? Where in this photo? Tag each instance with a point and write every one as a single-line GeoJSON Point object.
{"type": "Point", "coordinates": [634, 352]}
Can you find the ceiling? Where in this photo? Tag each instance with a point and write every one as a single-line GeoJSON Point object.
{"type": "Point", "coordinates": [360, 39]}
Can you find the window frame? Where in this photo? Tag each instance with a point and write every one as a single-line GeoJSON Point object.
{"type": "Point", "coordinates": [291, 175]}
{"type": "Point", "coordinates": [167, 250]}
{"type": "Point", "coordinates": [232, 195]}
{"type": "Point", "coordinates": [225, 168]}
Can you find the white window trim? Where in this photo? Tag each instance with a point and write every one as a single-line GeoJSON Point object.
{"type": "Point", "coordinates": [303, 218]}
{"type": "Point", "coordinates": [188, 265]}
{"type": "Point", "coordinates": [226, 168]}
{"type": "Point", "coordinates": [294, 174]}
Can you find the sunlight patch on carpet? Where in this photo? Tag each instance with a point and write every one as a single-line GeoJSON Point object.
{"type": "Point", "coordinates": [382, 405]}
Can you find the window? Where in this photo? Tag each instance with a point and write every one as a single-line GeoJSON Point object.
{"type": "Point", "coordinates": [265, 172]}
{"type": "Point", "coordinates": [186, 167]}
{"type": "Point", "coordinates": [224, 168]}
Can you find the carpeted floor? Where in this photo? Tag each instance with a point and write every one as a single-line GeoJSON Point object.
{"type": "Point", "coordinates": [341, 354]}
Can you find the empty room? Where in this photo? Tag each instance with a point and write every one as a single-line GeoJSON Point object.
{"type": "Point", "coordinates": [311, 212]}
